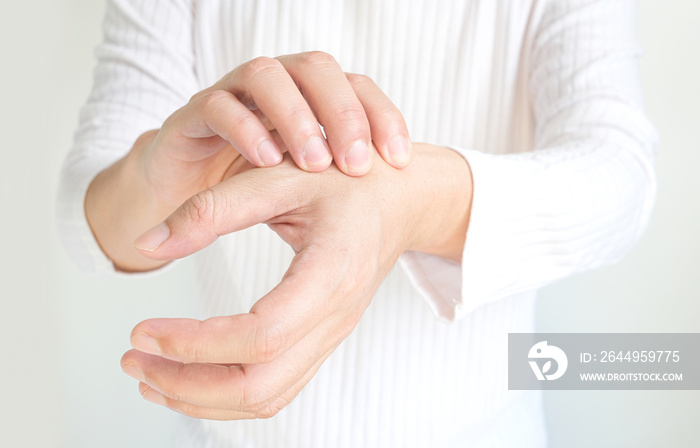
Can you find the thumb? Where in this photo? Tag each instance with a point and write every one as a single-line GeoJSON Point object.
{"type": "Point", "coordinates": [229, 206]}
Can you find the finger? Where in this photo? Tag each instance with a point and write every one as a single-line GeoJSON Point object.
{"type": "Point", "coordinates": [264, 83]}
{"type": "Point", "coordinates": [212, 413]}
{"type": "Point", "coordinates": [252, 389]}
{"type": "Point", "coordinates": [231, 205]}
{"type": "Point", "coordinates": [219, 113]}
{"type": "Point", "coordinates": [208, 385]}
{"type": "Point", "coordinates": [303, 299]}
{"type": "Point", "coordinates": [389, 130]}
{"type": "Point", "coordinates": [262, 117]}
{"type": "Point", "coordinates": [279, 141]}
{"type": "Point", "coordinates": [328, 92]}
{"type": "Point", "coordinates": [152, 395]}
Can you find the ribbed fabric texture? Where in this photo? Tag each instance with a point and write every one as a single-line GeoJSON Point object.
{"type": "Point", "coordinates": [541, 97]}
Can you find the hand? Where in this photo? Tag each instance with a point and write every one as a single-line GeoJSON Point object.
{"type": "Point", "coordinates": [347, 235]}
{"type": "Point", "coordinates": [260, 109]}
{"type": "Point", "coordinates": [266, 107]}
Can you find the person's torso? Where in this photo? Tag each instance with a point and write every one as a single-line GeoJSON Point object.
{"type": "Point", "coordinates": [458, 72]}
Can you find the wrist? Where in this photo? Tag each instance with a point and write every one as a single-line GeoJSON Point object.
{"type": "Point", "coordinates": [441, 197]}
{"type": "Point", "coordinates": [119, 207]}
{"type": "Point", "coordinates": [135, 172]}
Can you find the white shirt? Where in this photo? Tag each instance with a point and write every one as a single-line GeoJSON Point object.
{"type": "Point", "coordinates": [543, 100]}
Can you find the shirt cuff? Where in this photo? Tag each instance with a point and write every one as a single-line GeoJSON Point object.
{"type": "Point", "coordinates": [454, 289]}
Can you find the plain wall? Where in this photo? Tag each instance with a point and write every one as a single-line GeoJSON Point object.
{"type": "Point", "coordinates": [64, 332]}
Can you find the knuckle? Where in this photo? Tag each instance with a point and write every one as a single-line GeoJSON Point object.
{"type": "Point", "coordinates": [171, 387]}
{"type": "Point", "coordinates": [146, 136]}
{"type": "Point", "coordinates": [268, 407]}
{"type": "Point", "coordinates": [241, 120]}
{"type": "Point", "coordinates": [349, 113]}
{"type": "Point", "coordinates": [261, 66]}
{"type": "Point", "coordinates": [297, 113]}
{"type": "Point", "coordinates": [317, 58]}
{"type": "Point", "coordinates": [267, 345]}
{"type": "Point", "coordinates": [395, 120]}
{"type": "Point", "coordinates": [267, 412]}
{"type": "Point", "coordinates": [254, 400]}
{"type": "Point", "coordinates": [272, 408]}
{"type": "Point", "coordinates": [192, 411]}
{"type": "Point", "coordinates": [211, 100]}
{"type": "Point", "coordinates": [193, 352]}
{"type": "Point", "coordinates": [303, 120]}
{"type": "Point", "coordinates": [197, 97]}
{"type": "Point", "coordinates": [189, 410]}
{"type": "Point", "coordinates": [247, 404]}
{"type": "Point", "coordinates": [357, 79]}
{"type": "Point", "coordinates": [193, 349]}
{"type": "Point", "coordinates": [201, 207]}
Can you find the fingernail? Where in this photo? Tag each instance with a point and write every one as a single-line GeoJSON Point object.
{"type": "Point", "coordinates": [399, 150]}
{"type": "Point", "coordinates": [357, 157]}
{"type": "Point", "coordinates": [153, 238]}
{"type": "Point", "coordinates": [134, 371]}
{"type": "Point", "coordinates": [268, 153]}
{"type": "Point", "coordinates": [154, 397]}
{"type": "Point", "coordinates": [316, 153]}
{"type": "Point", "coordinates": [145, 343]}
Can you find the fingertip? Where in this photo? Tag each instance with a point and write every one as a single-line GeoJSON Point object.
{"type": "Point", "coordinates": [358, 160]}
{"type": "Point", "coordinates": [315, 156]}
{"type": "Point", "coordinates": [269, 154]}
{"type": "Point", "coordinates": [126, 359]}
{"type": "Point", "coordinates": [399, 152]}
{"type": "Point", "coordinates": [152, 239]}
{"type": "Point", "coordinates": [150, 394]}
{"type": "Point", "coordinates": [146, 343]}
{"type": "Point", "coordinates": [140, 327]}
{"type": "Point", "coordinates": [134, 371]}
{"type": "Point", "coordinates": [316, 168]}
{"type": "Point", "coordinates": [143, 387]}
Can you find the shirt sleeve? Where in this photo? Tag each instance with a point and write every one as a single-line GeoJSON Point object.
{"type": "Point", "coordinates": [584, 195]}
{"type": "Point", "coordinates": [145, 71]}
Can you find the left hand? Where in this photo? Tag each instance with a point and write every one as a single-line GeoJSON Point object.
{"type": "Point", "coordinates": [347, 234]}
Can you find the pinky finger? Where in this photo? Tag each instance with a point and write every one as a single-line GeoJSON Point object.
{"type": "Point", "coordinates": [152, 395]}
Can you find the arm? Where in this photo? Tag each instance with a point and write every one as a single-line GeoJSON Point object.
{"type": "Point", "coordinates": [583, 197]}
{"type": "Point", "coordinates": [144, 73]}
{"type": "Point", "coordinates": [545, 214]}
{"type": "Point", "coordinates": [256, 111]}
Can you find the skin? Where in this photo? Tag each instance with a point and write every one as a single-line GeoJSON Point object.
{"type": "Point", "coordinates": [252, 365]}
{"type": "Point", "coordinates": [347, 216]}
{"type": "Point", "coordinates": [272, 103]}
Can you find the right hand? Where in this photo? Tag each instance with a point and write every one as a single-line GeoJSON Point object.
{"type": "Point", "coordinates": [264, 108]}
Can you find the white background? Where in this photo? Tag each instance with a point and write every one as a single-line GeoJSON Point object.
{"type": "Point", "coordinates": [63, 333]}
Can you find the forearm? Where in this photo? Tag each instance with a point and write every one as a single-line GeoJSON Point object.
{"type": "Point", "coordinates": [119, 207]}
{"type": "Point", "coordinates": [442, 189]}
